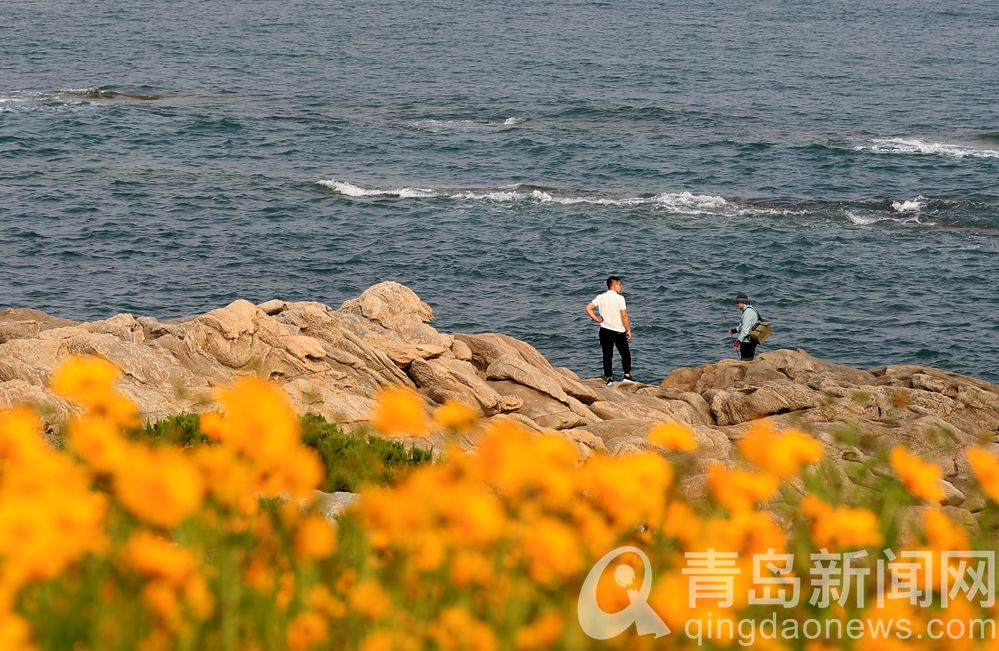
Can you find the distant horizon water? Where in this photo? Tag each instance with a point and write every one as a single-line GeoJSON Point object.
{"type": "Point", "coordinates": [838, 163]}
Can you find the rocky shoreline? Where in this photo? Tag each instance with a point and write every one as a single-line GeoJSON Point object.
{"type": "Point", "coordinates": [333, 361]}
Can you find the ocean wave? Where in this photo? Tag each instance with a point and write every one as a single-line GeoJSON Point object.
{"type": "Point", "coordinates": [436, 125]}
{"type": "Point", "coordinates": [100, 92]}
{"type": "Point", "coordinates": [66, 99]}
{"type": "Point", "coordinates": [351, 190]}
{"type": "Point", "coordinates": [909, 205]}
{"type": "Point", "coordinates": [869, 218]}
{"type": "Point", "coordinates": [15, 101]}
{"type": "Point", "coordinates": [914, 146]}
{"type": "Point", "coordinates": [684, 202]}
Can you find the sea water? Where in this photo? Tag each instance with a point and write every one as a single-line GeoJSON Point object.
{"type": "Point", "coordinates": [837, 161]}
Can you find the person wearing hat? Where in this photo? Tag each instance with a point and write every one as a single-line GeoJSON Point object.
{"type": "Point", "coordinates": [750, 316]}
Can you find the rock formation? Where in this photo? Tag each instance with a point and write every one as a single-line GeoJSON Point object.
{"type": "Point", "coordinates": [332, 362]}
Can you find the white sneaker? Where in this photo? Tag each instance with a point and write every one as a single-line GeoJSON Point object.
{"type": "Point", "coordinates": [609, 381]}
{"type": "Point", "coordinates": [627, 380]}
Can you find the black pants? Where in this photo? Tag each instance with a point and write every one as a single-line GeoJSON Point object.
{"type": "Point", "coordinates": [609, 339]}
{"type": "Point", "coordinates": [747, 349]}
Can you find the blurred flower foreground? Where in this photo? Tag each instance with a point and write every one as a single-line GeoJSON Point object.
{"type": "Point", "coordinates": [110, 540]}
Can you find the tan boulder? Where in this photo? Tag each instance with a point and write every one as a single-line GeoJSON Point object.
{"type": "Point", "coordinates": [731, 407]}
{"type": "Point", "coordinates": [445, 378]}
{"type": "Point", "coordinates": [515, 369]}
{"type": "Point", "coordinates": [461, 350]}
{"type": "Point", "coordinates": [122, 326]}
{"type": "Point", "coordinates": [542, 408]}
{"type": "Point", "coordinates": [273, 306]}
{"type": "Point", "coordinates": [403, 354]}
{"type": "Point", "coordinates": [361, 366]}
{"type": "Point", "coordinates": [51, 408]}
{"type": "Point", "coordinates": [242, 338]}
{"type": "Point", "coordinates": [22, 323]}
{"type": "Point", "coordinates": [609, 410]}
{"type": "Point", "coordinates": [392, 309]}
{"type": "Point", "coordinates": [489, 348]}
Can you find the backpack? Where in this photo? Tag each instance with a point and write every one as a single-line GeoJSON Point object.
{"type": "Point", "coordinates": [761, 330]}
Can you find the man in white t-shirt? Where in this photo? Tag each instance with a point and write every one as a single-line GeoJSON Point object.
{"type": "Point", "coordinates": [615, 328]}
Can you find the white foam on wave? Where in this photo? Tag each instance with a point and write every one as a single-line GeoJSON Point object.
{"type": "Point", "coordinates": [502, 196]}
{"type": "Point", "coordinates": [351, 190]}
{"type": "Point", "coordinates": [30, 100]}
{"type": "Point", "coordinates": [435, 125]}
{"type": "Point", "coordinates": [913, 205]}
{"type": "Point", "coordinates": [871, 218]}
{"type": "Point", "coordinates": [687, 202]}
{"type": "Point", "coordinates": [671, 202]}
{"type": "Point", "coordinates": [914, 146]}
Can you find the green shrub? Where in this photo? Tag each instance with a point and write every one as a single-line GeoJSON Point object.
{"type": "Point", "coordinates": [355, 459]}
{"type": "Point", "coordinates": [183, 430]}
{"type": "Point", "coordinates": [350, 460]}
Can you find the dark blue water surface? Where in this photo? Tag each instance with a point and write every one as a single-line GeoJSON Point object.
{"type": "Point", "coordinates": [838, 161]}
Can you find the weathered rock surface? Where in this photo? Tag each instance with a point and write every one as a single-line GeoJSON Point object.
{"type": "Point", "coordinates": [333, 361]}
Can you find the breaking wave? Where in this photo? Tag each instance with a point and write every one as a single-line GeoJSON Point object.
{"type": "Point", "coordinates": [914, 146]}
{"type": "Point", "coordinates": [435, 125]}
{"type": "Point", "coordinates": [67, 99]}
{"type": "Point", "coordinates": [673, 202]}
{"type": "Point", "coordinates": [911, 205]}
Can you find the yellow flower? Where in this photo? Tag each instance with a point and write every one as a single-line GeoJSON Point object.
{"type": "Point", "coordinates": [499, 462]}
{"type": "Point", "coordinates": [368, 599]}
{"type": "Point", "coordinates": [315, 538]}
{"type": "Point", "coordinates": [161, 486]}
{"type": "Point", "coordinates": [161, 599]}
{"type": "Point", "coordinates": [385, 640]}
{"type": "Point", "coordinates": [257, 419]}
{"type": "Point", "coordinates": [321, 600]}
{"type": "Point", "coordinates": [476, 518]}
{"type": "Point", "coordinates": [745, 531]}
{"type": "Point", "coordinates": [49, 515]}
{"type": "Point", "coordinates": [99, 442]}
{"type": "Point", "coordinates": [285, 590]}
{"type": "Point", "coordinates": [456, 416]}
{"type": "Point", "coordinates": [542, 633]}
{"type": "Point", "coordinates": [630, 489]}
{"type": "Point", "coordinates": [21, 436]}
{"type": "Point", "coordinates": [305, 631]}
{"type": "Point", "coordinates": [781, 454]}
{"type": "Point", "coordinates": [841, 526]}
{"type": "Point", "coordinates": [738, 490]}
{"type": "Point", "coordinates": [456, 628]}
{"type": "Point", "coordinates": [297, 471]}
{"type": "Point", "coordinates": [553, 551]}
{"type": "Point", "coordinates": [920, 478]}
{"type": "Point", "coordinates": [81, 378]}
{"type": "Point", "coordinates": [156, 557]}
{"type": "Point", "coordinates": [228, 477]}
{"type": "Point", "coordinates": [986, 469]}
{"type": "Point", "coordinates": [15, 632]}
{"type": "Point", "coordinates": [259, 575]}
{"type": "Point", "coordinates": [469, 567]}
{"type": "Point", "coordinates": [673, 436]}
{"type": "Point", "coordinates": [399, 412]}
{"type": "Point", "coordinates": [681, 523]}
{"type": "Point", "coordinates": [198, 597]}
{"type": "Point", "coordinates": [943, 533]}
{"type": "Point", "coordinates": [90, 381]}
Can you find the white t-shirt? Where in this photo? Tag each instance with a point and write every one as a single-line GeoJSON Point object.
{"type": "Point", "coordinates": [610, 304]}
